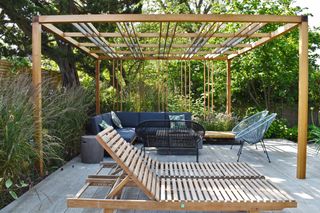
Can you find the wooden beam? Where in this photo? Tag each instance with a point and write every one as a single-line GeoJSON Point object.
{"type": "Point", "coordinates": [175, 205]}
{"type": "Point", "coordinates": [97, 79]}
{"type": "Point", "coordinates": [36, 82]}
{"type": "Point", "coordinates": [118, 187]}
{"type": "Point", "coordinates": [303, 101]}
{"type": "Point", "coordinates": [156, 52]}
{"type": "Point", "coordinates": [220, 58]}
{"type": "Point", "coordinates": [61, 35]}
{"type": "Point", "coordinates": [228, 101]}
{"type": "Point", "coordinates": [280, 31]}
{"type": "Point", "coordinates": [89, 44]}
{"type": "Point", "coordinates": [156, 35]}
{"type": "Point", "coordinates": [167, 18]}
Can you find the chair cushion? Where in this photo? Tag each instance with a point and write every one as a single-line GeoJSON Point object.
{"type": "Point", "coordinates": [146, 116]}
{"type": "Point", "coordinates": [115, 119]}
{"type": "Point", "coordinates": [127, 133]}
{"type": "Point", "coordinates": [128, 119]}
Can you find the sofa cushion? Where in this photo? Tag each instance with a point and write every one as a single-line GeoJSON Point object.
{"type": "Point", "coordinates": [128, 119]}
{"type": "Point", "coordinates": [104, 124]}
{"type": "Point", "coordinates": [127, 133]}
{"type": "Point", "coordinates": [187, 115]}
{"type": "Point", "coordinates": [177, 125]}
{"type": "Point", "coordinates": [146, 116]}
{"type": "Point", "coordinates": [116, 121]}
{"type": "Point", "coordinates": [107, 118]}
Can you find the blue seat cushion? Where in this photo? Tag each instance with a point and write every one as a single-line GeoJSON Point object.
{"type": "Point", "coordinates": [127, 133]}
{"type": "Point", "coordinates": [128, 119]}
{"type": "Point", "coordinates": [146, 116]}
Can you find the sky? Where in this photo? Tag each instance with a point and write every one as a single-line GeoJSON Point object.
{"type": "Point", "coordinates": [313, 8]}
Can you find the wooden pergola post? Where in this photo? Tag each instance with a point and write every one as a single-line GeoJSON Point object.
{"type": "Point", "coordinates": [36, 82]}
{"type": "Point", "coordinates": [97, 79]}
{"type": "Point", "coordinates": [228, 101]}
{"type": "Point", "coordinates": [303, 99]}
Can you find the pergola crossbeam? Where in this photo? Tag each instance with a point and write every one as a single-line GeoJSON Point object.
{"type": "Point", "coordinates": [112, 18]}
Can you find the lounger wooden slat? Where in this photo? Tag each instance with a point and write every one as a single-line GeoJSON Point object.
{"type": "Point", "coordinates": [180, 190]}
{"type": "Point", "coordinates": [194, 192]}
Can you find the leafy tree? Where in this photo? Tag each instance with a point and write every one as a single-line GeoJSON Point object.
{"type": "Point", "coordinates": [16, 31]}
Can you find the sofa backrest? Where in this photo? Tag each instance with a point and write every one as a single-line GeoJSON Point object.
{"type": "Point", "coordinates": [129, 119]}
{"type": "Point", "coordinates": [146, 116]}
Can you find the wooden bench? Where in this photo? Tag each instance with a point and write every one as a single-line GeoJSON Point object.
{"type": "Point", "coordinates": [175, 193]}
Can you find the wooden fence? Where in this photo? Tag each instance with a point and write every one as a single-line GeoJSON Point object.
{"type": "Point", "coordinates": [6, 68]}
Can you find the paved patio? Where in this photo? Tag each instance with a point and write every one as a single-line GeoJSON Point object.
{"type": "Point", "coordinates": [50, 194]}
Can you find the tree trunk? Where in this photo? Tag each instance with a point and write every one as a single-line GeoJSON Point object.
{"type": "Point", "coordinates": [67, 67]}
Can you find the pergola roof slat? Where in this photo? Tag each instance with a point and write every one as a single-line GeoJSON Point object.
{"type": "Point", "coordinates": [60, 33]}
{"type": "Point", "coordinates": [183, 43]}
{"type": "Point", "coordinates": [156, 35]}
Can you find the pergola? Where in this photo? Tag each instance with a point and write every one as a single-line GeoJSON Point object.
{"type": "Point", "coordinates": [210, 38]}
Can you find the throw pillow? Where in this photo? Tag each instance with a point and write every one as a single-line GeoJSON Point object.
{"type": "Point", "coordinates": [177, 125]}
{"type": "Point", "coordinates": [116, 120]}
{"type": "Point", "coordinates": [104, 124]}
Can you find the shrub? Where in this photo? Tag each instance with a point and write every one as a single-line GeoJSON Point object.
{"type": "Point", "coordinates": [64, 116]}
{"type": "Point", "coordinates": [17, 150]}
{"type": "Point", "coordinates": [315, 135]}
{"type": "Point", "coordinates": [278, 129]}
{"type": "Point", "coordinates": [219, 122]}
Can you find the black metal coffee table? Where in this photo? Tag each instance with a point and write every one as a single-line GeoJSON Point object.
{"type": "Point", "coordinates": [171, 137]}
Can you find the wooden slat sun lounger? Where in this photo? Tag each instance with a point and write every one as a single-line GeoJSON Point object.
{"type": "Point", "coordinates": [215, 170]}
{"type": "Point", "coordinates": [176, 193]}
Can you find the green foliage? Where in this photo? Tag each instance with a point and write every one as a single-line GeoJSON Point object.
{"type": "Point", "coordinates": [219, 122]}
{"type": "Point", "coordinates": [315, 135]}
{"type": "Point", "coordinates": [64, 116]}
{"type": "Point", "coordinates": [279, 129]}
{"type": "Point", "coordinates": [315, 129]}
{"type": "Point", "coordinates": [17, 150]}
{"type": "Point", "coordinates": [19, 63]}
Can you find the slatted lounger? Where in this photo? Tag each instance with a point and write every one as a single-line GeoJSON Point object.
{"type": "Point", "coordinates": [188, 169]}
{"type": "Point", "coordinates": [177, 193]}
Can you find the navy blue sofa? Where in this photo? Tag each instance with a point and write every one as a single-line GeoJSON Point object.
{"type": "Point", "coordinates": [129, 121]}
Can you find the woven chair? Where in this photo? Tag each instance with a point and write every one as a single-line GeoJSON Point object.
{"type": "Point", "coordinates": [255, 133]}
{"type": "Point", "coordinates": [245, 123]}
